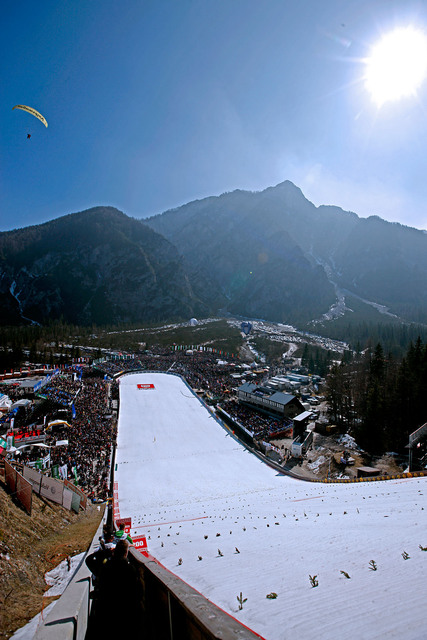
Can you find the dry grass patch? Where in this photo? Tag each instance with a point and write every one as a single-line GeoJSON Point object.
{"type": "Point", "coordinates": [32, 545]}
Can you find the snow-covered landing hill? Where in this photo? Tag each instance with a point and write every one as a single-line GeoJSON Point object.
{"type": "Point", "coordinates": [227, 524]}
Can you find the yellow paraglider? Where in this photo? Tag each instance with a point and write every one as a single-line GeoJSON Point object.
{"type": "Point", "coordinates": [32, 111]}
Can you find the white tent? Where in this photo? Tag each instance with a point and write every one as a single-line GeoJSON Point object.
{"type": "Point", "coordinates": [5, 402]}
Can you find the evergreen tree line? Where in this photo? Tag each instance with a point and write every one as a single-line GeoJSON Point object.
{"type": "Point", "coordinates": [394, 337]}
{"type": "Point", "coordinates": [317, 360]}
{"type": "Point", "coordinates": [37, 345]}
{"type": "Point", "coordinates": [379, 399]}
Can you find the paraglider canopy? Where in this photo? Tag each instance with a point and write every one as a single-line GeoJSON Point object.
{"type": "Point", "coordinates": [246, 327]}
{"type": "Point", "coordinates": [32, 111]}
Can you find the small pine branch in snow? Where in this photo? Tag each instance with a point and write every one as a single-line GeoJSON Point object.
{"type": "Point", "coordinates": [220, 552]}
{"type": "Point", "coordinates": [423, 548]}
{"type": "Point", "coordinates": [241, 601]}
{"type": "Point", "coordinates": [405, 555]}
{"type": "Point", "coordinates": [271, 596]}
{"type": "Point", "coordinates": [237, 551]}
{"type": "Point", "coordinates": [314, 581]}
{"type": "Point", "coordinates": [180, 561]}
{"type": "Point", "coordinates": [345, 574]}
{"type": "Point", "coordinates": [373, 565]}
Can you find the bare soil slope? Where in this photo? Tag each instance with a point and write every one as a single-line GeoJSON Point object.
{"type": "Point", "coordinates": [32, 545]}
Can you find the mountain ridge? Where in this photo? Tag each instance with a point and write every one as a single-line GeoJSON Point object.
{"type": "Point", "coordinates": [370, 257]}
{"type": "Point", "coordinates": [269, 254]}
{"type": "Point", "coordinates": [96, 266]}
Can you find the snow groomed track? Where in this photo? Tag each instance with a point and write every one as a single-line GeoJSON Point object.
{"type": "Point", "coordinates": [226, 523]}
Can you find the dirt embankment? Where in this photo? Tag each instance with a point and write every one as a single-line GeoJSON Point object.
{"type": "Point", "coordinates": [32, 545]}
{"type": "Point", "coordinates": [323, 460]}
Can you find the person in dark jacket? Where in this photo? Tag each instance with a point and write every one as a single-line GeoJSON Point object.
{"type": "Point", "coordinates": [96, 560]}
{"type": "Point", "coordinates": [119, 598]}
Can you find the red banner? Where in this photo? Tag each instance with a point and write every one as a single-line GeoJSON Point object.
{"type": "Point", "coordinates": [145, 386]}
{"type": "Point", "coordinates": [140, 544]}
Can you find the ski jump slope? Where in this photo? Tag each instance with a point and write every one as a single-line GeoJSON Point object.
{"type": "Point", "coordinates": [226, 523]}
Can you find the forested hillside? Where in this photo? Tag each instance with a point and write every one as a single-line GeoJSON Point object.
{"type": "Point", "coordinates": [380, 399]}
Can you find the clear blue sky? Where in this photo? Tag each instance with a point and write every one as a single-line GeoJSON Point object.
{"type": "Point", "coordinates": [154, 103]}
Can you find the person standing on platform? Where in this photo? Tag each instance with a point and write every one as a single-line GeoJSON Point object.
{"type": "Point", "coordinates": [121, 534]}
{"type": "Point", "coordinates": [119, 609]}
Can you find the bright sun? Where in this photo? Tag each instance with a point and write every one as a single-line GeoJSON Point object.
{"type": "Point", "coordinates": [397, 65]}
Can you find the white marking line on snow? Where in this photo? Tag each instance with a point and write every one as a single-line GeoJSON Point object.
{"type": "Point", "coordinates": [310, 498]}
{"type": "Point", "coordinates": [156, 524]}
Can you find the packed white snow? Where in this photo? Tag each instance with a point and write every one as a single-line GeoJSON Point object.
{"type": "Point", "coordinates": [348, 442]}
{"type": "Point", "coordinates": [315, 466]}
{"type": "Point", "coordinates": [59, 577]}
{"type": "Point", "coordinates": [345, 560]}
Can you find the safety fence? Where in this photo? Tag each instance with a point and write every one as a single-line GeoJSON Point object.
{"type": "Point", "coordinates": [23, 481]}
{"type": "Point", "coordinates": [408, 474]}
{"type": "Point", "coordinates": [20, 488]}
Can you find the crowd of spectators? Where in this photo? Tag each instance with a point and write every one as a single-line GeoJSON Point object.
{"type": "Point", "coordinates": [259, 424]}
{"type": "Point", "coordinates": [33, 455]}
{"type": "Point", "coordinates": [201, 369]}
{"type": "Point", "coordinates": [90, 436]}
{"type": "Point", "coordinates": [88, 433]}
{"type": "Point", "coordinates": [10, 389]}
{"type": "Point", "coordinates": [61, 389]}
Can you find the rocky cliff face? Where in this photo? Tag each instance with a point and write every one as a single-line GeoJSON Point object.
{"type": "Point", "coordinates": [241, 240]}
{"type": "Point", "coordinates": [275, 255]}
{"type": "Point", "coordinates": [98, 266]}
{"type": "Point", "coordinates": [270, 254]}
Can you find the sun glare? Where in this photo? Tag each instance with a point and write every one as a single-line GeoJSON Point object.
{"type": "Point", "coordinates": [397, 65]}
